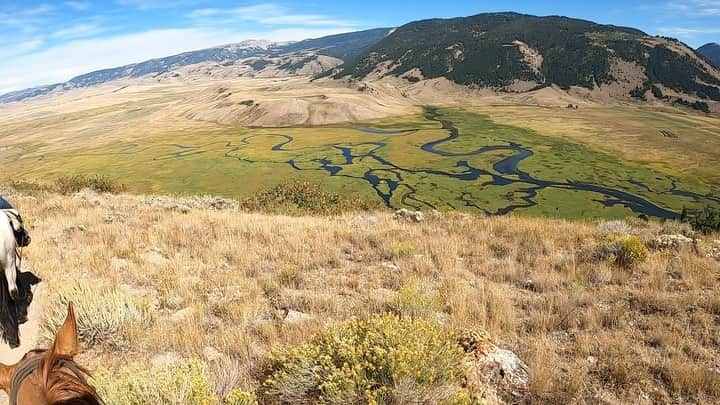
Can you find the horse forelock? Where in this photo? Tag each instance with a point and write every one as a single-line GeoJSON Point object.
{"type": "Point", "coordinates": [62, 387]}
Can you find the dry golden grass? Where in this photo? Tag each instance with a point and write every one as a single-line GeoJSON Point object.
{"type": "Point", "coordinates": [590, 330]}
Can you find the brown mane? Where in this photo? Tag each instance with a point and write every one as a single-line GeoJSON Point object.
{"type": "Point", "coordinates": [62, 388]}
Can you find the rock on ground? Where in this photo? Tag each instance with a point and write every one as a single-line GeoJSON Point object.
{"type": "Point", "coordinates": [498, 373]}
{"type": "Point", "coordinates": [407, 215]}
{"type": "Point", "coordinates": [671, 241]}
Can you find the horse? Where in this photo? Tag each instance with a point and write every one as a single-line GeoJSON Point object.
{"type": "Point", "coordinates": [12, 235]}
{"type": "Point", "coordinates": [15, 287]}
{"type": "Point", "coordinates": [47, 377]}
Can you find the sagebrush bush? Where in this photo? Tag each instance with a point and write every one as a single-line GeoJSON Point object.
{"type": "Point", "coordinates": [172, 384]}
{"type": "Point", "coordinates": [103, 314]}
{"type": "Point", "coordinates": [75, 183]}
{"type": "Point", "coordinates": [626, 251]}
{"type": "Point", "coordinates": [384, 359]}
{"type": "Point", "coordinates": [616, 228]}
{"type": "Point", "coordinates": [303, 198]}
{"type": "Point", "coordinates": [677, 228]}
{"type": "Point", "coordinates": [415, 301]}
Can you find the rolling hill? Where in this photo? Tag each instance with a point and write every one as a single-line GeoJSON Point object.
{"type": "Point", "coordinates": [342, 46]}
{"type": "Point", "coordinates": [504, 50]}
{"type": "Point", "coordinates": [712, 52]}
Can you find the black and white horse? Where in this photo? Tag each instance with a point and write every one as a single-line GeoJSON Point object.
{"type": "Point", "coordinates": [15, 286]}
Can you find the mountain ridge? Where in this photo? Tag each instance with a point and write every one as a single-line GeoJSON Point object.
{"type": "Point", "coordinates": [506, 51]}
{"type": "Point", "coordinates": [711, 51]}
{"type": "Point", "coordinates": [340, 46]}
{"type": "Point", "coordinates": [500, 50]}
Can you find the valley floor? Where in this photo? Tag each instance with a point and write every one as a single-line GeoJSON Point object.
{"type": "Point", "coordinates": [226, 286]}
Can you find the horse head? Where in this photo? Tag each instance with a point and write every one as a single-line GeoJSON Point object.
{"type": "Point", "coordinates": [50, 376]}
{"type": "Point", "coordinates": [22, 236]}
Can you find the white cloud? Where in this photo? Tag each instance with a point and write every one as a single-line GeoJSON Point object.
{"type": "Point", "coordinates": [267, 14]}
{"type": "Point", "coordinates": [155, 4]}
{"type": "Point", "coordinates": [700, 8]}
{"type": "Point", "coordinates": [62, 62]}
{"type": "Point", "coordinates": [684, 32]}
{"type": "Point", "coordinates": [82, 30]}
{"type": "Point", "coordinates": [14, 48]}
{"type": "Point", "coordinates": [78, 5]}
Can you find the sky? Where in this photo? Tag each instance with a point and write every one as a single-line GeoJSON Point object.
{"type": "Point", "coordinates": [44, 42]}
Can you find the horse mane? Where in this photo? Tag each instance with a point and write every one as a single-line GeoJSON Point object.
{"type": "Point", "coordinates": [63, 388]}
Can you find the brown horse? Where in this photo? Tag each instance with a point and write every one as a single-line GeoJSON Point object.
{"type": "Point", "coordinates": [46, 377]}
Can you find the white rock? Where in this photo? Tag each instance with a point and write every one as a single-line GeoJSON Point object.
{"type": "Point", "coordinates": [671, 241]}
{"type": "Point", "coordinates": [500, 369]}
{"type": "Point", "coordinates": [165, 359]}
{"type": "Point", "coordinates": [212, 354]}
{"type": "Point", "coordinates": [364, 220]}
{"type": "Point", "coordinates": [118, 263]}
{"type": "Point", "coordinates": [182, 315]}
{"type": "Point", "coordinates": [294, 317]}
{"type": "Point", "coordinates": [156, 257]}
{"type": "Point", "coordinates": [407, 215]}
{"type": "Point", "coordinates": [390, 266]}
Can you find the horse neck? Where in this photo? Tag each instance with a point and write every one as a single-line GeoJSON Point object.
{"type": "Point", "coordinates": [52, 385]}
{"type": "Point", "coordinates": [7, 235]}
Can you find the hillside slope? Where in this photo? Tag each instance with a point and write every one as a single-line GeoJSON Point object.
{"type": "Point", "coordinates": [505, 50]}
{"type": "Point", "coordinates": [712, 52]}
{"type": "Point", "coordinates": [591, 330]}
{"type": "Point", "coordinates": [341, 46]}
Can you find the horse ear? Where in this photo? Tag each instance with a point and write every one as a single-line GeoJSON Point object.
{"type": "Point", "coordinates": [66, 341]}
{"type": "Point", "coordinates": [6, 373]}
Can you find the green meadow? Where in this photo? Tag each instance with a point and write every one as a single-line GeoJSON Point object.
{"type": "Point", "coordinates": [520, 170]}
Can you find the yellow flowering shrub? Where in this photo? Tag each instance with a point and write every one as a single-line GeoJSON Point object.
{"type": "Point", "coordinates": [239, 397]}
{"type": "Point", "coordinates": [403, 249]}
{"type": "Point", "coordinates": [627, 251]}
{"type": "Point", "coordinates": [173, 384]}
{"type": "Point", "coordinates": [380, 360]}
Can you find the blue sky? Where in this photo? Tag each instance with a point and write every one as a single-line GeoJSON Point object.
{"type": "Point", "coordinates": [44, 42]}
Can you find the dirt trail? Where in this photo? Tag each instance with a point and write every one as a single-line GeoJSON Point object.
{"type": "Point", "coordinates": [29, 335]}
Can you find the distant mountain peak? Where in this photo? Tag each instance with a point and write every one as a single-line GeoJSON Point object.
{"type": "Point", "coordinates": [251, 43]}
{"type": "Point", "coordinates": [712, 52]}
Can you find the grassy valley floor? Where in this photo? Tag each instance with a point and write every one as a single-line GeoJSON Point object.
{"type": "Point", "coordinates": [609, 162]}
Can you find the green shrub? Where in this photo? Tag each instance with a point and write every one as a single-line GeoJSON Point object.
{"type": "Point", "coordinates": [29, 187]}
{"type": "Point", "coordinates": [302, 198]}
{"type": "Point", "coordinates": [415, 302]}
{"type": "Point", "coordinates": [172, 384]}
{"type": "Point", "coordinates": [103, 314]}
{"type": "Point", "coordinates": [381, 360]}
{"type": "Point", "coordinates": [706, 220]}
{"type": "Point", "coordinates": [627, 251]}
{"type": "Point", "coordinates": [75, 183]}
